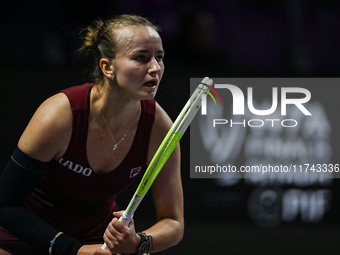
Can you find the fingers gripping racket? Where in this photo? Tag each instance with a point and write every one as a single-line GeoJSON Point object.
{"type": "Point", "coordinates": [165, 149]}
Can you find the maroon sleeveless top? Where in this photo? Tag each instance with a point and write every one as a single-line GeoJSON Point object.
{"type": "Point", "coordinates": [71, 196]}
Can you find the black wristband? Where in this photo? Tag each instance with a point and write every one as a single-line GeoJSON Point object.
{"type": "Point", "coordinates": [144, 244]}
{"type": "Point", "coordinates": [66, 245]}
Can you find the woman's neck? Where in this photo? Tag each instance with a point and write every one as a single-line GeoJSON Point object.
{"type": "Point", "coordinates": [117, 111]}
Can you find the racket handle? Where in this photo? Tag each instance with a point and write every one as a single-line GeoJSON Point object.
{"type": "Point", "coordinates": [125, 219]}
{"type": "Point", "coordinates": [104, 247]}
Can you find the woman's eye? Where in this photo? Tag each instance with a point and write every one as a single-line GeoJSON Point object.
{"type": "Point", "coordinates": [141, 58]}
{"type": "Point", "coordinates": [159, 58]}
{"type": "Point", "coordinates": [145, 59]}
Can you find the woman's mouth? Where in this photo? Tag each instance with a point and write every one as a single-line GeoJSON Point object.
{"type": "Point", "coordinates": [150, 84]}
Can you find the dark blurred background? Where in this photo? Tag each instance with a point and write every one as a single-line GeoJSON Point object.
{"type": "Point", "coordinates": [216, 38]}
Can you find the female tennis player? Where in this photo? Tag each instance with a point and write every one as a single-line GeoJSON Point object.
{"type": "Point", "coordinates": [87, 143]}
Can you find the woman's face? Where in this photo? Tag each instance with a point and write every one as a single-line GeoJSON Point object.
{"type": "Point", "coordinates": [138, 66]}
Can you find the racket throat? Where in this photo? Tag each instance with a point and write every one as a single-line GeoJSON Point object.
{"type": "Point", "coordinates": [134, 203]}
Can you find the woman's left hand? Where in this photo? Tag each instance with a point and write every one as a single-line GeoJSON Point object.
{"type": "Point", "coordinates": [120, 238]}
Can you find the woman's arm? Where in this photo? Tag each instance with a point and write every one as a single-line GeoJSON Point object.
{"type": "Point", "coordinates": [24, 170]}
{"type": "Point", "coordinates": [166, 191]}
{"type": "Point", "coordinates": [48, 133]}
{"type": "Point", "coordinates": [46, 137]}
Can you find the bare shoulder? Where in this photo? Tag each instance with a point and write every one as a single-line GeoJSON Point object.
{"type": "Point", "coordinates": [161, 116]}
{"type": "Point", "coordinates": [49, 131]}
{"type": "Point", "coordinates": [162, 122]}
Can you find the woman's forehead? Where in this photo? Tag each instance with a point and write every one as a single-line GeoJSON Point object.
{"type": "Point", "coordinates": [134, 36]}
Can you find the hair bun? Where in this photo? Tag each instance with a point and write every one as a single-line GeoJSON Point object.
{"type": "Point", "coordinates": [91, 36]}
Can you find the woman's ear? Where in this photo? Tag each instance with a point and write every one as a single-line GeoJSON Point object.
{"type": "Point", "coordinates": [107, 68]}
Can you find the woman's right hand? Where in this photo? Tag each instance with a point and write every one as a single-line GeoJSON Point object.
{"type": "Point", "coordinates": [93, 249]}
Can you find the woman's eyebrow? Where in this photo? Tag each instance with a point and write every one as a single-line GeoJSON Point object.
{"type": "Point", "coordinates": [147, 51]}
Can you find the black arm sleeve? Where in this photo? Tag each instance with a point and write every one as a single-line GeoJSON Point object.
{"type": "Point", "coordinates": [19, 178]}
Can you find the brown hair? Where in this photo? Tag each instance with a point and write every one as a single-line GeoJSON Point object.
{"type": "Point", "coordinates": [101, 40]}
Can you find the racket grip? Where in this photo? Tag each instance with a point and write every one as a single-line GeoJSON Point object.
{"type": "Point", "coordinates": [125, 219]}
{"type": "Point", "coordinates": [104, 247]}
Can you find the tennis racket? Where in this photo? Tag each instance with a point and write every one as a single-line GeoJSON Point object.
{"type": "Point", "coordinates": [165, 149]}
